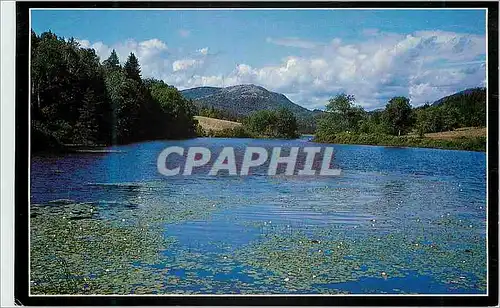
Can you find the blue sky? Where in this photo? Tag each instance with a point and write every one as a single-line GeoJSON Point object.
{"type": "Point", "coordinates": [309, 55]}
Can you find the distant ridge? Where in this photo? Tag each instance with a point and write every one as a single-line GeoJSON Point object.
{"type": "Point", "coordinates": [455, 96]}
{"type": "Point", "coordinates": [242, 100]}
{"type": "Point", "coordinates": [200, 92]}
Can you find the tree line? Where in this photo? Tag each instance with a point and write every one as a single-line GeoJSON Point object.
{"type": "Point", "coordinates": [343, 115]}
{"type": "Point", "coordinates": [76, 99]}
{"type": "Point", "coordinates": [280, 123]}
{"type": "Point", "coordinates": [212, 112]}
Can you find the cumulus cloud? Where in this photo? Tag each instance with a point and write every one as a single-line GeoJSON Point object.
{"type": "Point", "coordinates": [423, 65]}
{"type": "Point", "coordinates": [153, 44]}
{"type": "Point", "coordinates": [151, 54]}
{"type": "Point", "coordinates": [186, 64]}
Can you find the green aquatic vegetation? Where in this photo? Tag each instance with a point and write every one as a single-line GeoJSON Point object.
{"type": "Point", "coordinates": [87, 255]}
{"type": "Point", "coordinates": [119, 247]}
{"type": "Point", "coordinates": [298, 261]}
{"type": "Point", "coordinates": [305, 261]}
{"type": "Point", "coordinates": [91, 247]}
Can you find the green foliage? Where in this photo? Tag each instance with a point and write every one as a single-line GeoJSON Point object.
{"type": "Point", "coordinates": [43, 138]}
{"type": "Point", "coordinates": [341, 115]}
{"type": "Point", "coordinates": [112, 63]}
{"type": "Point", "coordinates": [262, 122]}
{"type": "Point", "coordinates": [286, 124]}
{"type": "Point", "coordinates": [465, 109]}
{"type": "Point", "coordinates": [342, 104]}
{"type": "Point", "coordinates": [470, 144]}
{"type": "Point", "coordinates": [235, 103]}
{"type": "Point", "coordinates": [212, 112]}
{"type": "Point", "coordinates": [235, 132]}
{"type": "Point", "coordinates": [64, 79]}
{"type": "Point", "coordinates": [132, 68]}
{"type": "Point", "coordinates": [398, 114]}
{"type": "Point", "coordinates": [200, 132]}
{"type": "Point", "coordinates": [180, 110]}
{"type": "Point", "coordinates": [345, 123]}
{"type": "Point", "coordinates": [344, 113]}
{"type": "Point", "coordinates": [77, 100]}
{"type": "Point", "coordinates": [374, 122]}
{"type": "Point", "coordinates": [279, 123]}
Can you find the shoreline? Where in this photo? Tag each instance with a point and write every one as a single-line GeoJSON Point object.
{"type": "Point", "coordinates": [402, 146]}
{"type": "Point", "coordinates": [474, 144]}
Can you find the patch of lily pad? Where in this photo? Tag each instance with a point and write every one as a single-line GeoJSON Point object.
{"type": "Point", "coordinates": [121, 246]}
{"type": "Point", "coordinates": [304, 261]}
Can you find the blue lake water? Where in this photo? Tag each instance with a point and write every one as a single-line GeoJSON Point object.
{"type": "Point", "coordinates": [411, 199]}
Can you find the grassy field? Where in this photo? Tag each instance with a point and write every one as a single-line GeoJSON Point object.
{"type": "Point", "coordinates": [467, 132]}
{"type": "Point", "coordinates": [215, 124]}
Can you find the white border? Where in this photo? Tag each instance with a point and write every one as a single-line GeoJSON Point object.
{"type": "Point", "coordinates": [255, 295]}
{"type": "Point", "coordinates": [7, 122]}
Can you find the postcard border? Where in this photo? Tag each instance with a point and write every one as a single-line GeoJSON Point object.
{"type": "Point", "coordinates": [21, 277]}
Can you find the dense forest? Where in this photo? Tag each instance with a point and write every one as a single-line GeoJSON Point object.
{"type": "Point", "coordinates": [76, 99]}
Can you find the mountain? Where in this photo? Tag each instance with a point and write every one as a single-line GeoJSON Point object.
{"type": "Point", "coordinates": [200, 92]}
{"type": "Point", "coordinates": [459, 96]}
{"type": "Point", "coordinates": [242, 100]}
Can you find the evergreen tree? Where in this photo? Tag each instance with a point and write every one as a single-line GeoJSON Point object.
{"type": "Point", "coordinates": [76, 99]}
{"type": "Point", "coordinates": [132, 68]}
{"type": "Point", "coordinates": [112, 62]}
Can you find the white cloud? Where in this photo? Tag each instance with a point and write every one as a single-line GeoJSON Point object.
{"type": "Point", "coordinates": [424, 66]}
{"type": "Point", "coordinates": [153, 44]}
{"type": "Point", "coordinates": [84, 43]}
{"type": "Point", "coordinates": [185, 64]}
{"type": "Point", "coordinates": [151, 54]}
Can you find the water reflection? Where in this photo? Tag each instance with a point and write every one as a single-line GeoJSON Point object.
{"type": "Point", "coordinates": [417, 205]}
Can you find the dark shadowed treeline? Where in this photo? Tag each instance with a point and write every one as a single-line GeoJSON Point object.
{"type": "Point", "coordinates": [76, 99]}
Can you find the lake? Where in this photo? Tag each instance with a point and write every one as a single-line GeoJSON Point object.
{"type": "Point", "coordinates": [397, 220]}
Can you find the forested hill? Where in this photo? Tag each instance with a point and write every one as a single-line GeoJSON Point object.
{"type": "Point", "coordinates": [463, 109]}
{"type": "Point", "coordinates": [472, 95]}
{"type": "Point", "coordinates": [77, 99]}
{"type": "Point", "coordinates": [242, 100]}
